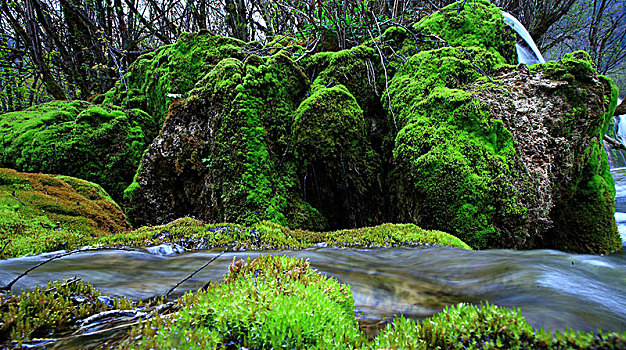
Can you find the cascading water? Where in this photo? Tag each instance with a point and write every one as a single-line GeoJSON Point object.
{"type": "Point", "coordinates": [523, 54]}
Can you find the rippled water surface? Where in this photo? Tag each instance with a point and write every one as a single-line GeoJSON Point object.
{"type": "Point", "coordinates": [553, 289]}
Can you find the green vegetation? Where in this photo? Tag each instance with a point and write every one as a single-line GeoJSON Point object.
{"type": "Point", "coordinates": [452, 156]}
{"type": "Point", "coordinates": [269, 303]}
{"type": "Point", "coordinates": [475, 24]}
{"type": "Point", "coordinates": [158, 78]}
{"type": "Point", "coordinates": [485, 326]}
{"type": "Point", "coordinates": [268, 235]}
{"type": "Point", "coordinates": [193, 234]}
{"type": "Point", "coordinates": [51, 311]}
{"type": "Point", "coordinates": [101, 143]}
{"type": "Point", "coordinates": [42, 213]}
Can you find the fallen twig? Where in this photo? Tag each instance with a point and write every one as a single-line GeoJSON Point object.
{"type": "Point", "coordinates": [167, 293]}
{"type": "Point", "coordinates": [8, 286]}
{"type": "Point", "coordinates": [615, 144]}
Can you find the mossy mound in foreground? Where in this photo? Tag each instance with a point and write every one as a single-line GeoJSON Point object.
{"type": "Point", "coordinates": [53, 310]}
{"type": "Point", "coordinates": [41, 213]}
{"type": "Point", "coordinates": [97, 143]}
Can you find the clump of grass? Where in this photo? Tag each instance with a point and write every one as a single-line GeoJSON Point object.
{"type": "Point", "coordinates": [269, 303]}
{"type": "Point", "coordinates": [50, 311]}
{"type": "Point", "coordinates": [485, 326]}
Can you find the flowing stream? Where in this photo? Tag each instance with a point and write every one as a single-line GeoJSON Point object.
{"type": "Point", "coordinates": [553, 289]}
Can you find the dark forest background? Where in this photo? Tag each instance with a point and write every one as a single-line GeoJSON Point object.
{"type": "Point", "coordinates": [76, 49]}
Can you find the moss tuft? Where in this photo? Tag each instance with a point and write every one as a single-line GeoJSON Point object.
{"type": "Point", "coordinates": [485, 326]}
{"type": "Point", "coordinates": [270, 302]}
{"type": "Point", "coordinates": [51, 311]}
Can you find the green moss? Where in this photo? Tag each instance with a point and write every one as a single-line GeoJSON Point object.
{"type": "Point", "coordinates": [50, 311]}
{"type": "Point", "coordinates": [485, 326]}
{"type": "Point", "coordinates": [451, 156]}
{"type": "Point", "coordinates": [472, 24]}
{"type": "Point", "coordinates": [269, 235]}
{"type": "Point", "coordinates": [98, 143]}
{"type": "Point", "coordinates": [157, 78]}
{"type": "Point", "coordinates": [588, 208]}
{"type": "Point", "coordinates": [270, 302]}
{"type": "Point", "coordinates": [428, 70]}
{"type": "Point", "coordinates": [331, 143]}
{"type": "Point", "coordinates": [41, 213]}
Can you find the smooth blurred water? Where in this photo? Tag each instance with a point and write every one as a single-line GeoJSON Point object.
{"type": "Point", "coordinates": [553, 289]}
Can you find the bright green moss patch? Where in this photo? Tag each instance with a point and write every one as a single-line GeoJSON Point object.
{"type": "Point", "coordinates": [268, 235]}
{"type": "Point", "coordinates": [269, 303]}
{"type": "Point", "coordinates": [41, 213]}
{"type": "Point", "coordinates": [485, 326]}
{"type": "Point", "coordinates": [451, 156]}
{"type": "Point", "coordinates": [158, 78]}
{"type": "Point", "coordinates": [51, 311]}
{"type": "Point", "coordinates": [102, 144]}
{"type": "Point", "coordinates": [477, 23]}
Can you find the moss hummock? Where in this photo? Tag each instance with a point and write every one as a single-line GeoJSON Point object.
{"type": "Point", "coordinates": [156, 79]}
{"type": "Point", "coordinates": [102, 144]}
{"type": "Point", "coordinates": [51, 311]}
{"type": "Point", "coordinates": [485, 326]}
{"type": "Point", "coordinates": [268, 303]}
{"type": "Point", "coordinates": [471, 24]}
{"type": "Point", "coordinates": [42, 213]}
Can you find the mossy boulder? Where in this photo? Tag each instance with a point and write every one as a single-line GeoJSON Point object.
{"type": "Point", "coordinates": [330, 137]}
{"type": "Point", "coordinates": [99, 143]}
{"type": "Point", "coordinates": [227, 147]}
{"type": "Point", "coordinates": [470, 24]}
{"type": "Point", "coordinates": [158, 78]}
{"type": "Point", "coordinates": [41, 213]}
{"type": "Point", "coordinates": [500, 165]}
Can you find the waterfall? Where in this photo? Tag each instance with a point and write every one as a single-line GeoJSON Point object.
{"type": "Point", "coordinates": [523, 54]}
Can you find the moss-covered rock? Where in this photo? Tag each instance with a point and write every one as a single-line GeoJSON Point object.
{"type": "Point", "coordinates": [158, 78]}
{"type": "Point", "coordinates": [98, 143]}
{"type": "Point", "coordinates": [41, 213]}
{"type": "Point", "coordinates": [471, 24]}
{"type": "Point", "coordinates": [228, 147]}
{"type": "Point", "coordinates": [330, 138]}
{"type": "Point", "coordinates": [500, 164]}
